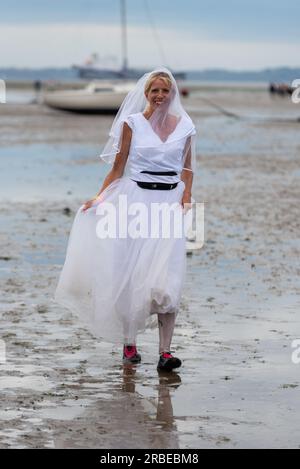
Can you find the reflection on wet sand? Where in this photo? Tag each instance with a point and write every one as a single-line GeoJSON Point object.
{"type": "Point", "coordinates": [166, 382]}
{"type": "Point", "coordinates": [127, 420]}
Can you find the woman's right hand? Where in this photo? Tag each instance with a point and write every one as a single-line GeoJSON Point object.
{"type": "Point", "coordinates": [88, 204]}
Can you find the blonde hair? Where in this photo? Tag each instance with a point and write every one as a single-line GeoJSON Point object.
{"type": "Point", "coordinates": [165, 77]}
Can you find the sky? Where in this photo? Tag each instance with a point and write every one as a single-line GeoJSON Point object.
{"type": "Point", "coordinates": [181, 34]}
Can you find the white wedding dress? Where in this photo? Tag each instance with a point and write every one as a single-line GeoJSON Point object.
{"type": "Point", "coordinates": [117, 285]}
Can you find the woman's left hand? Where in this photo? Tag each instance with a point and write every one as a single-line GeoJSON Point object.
{"type": "Point", "coordinates": [186, 201]}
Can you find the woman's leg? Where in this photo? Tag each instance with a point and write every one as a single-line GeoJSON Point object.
{"type": "Point", "coordinates": [167, 362]}
{"type": "Point", "coordinates": [129, 332]}
{"type": "Point", "coordinates": [166, 323]}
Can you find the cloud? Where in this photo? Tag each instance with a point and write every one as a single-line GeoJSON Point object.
{"type": "Point", "coordinates": [61, 45]}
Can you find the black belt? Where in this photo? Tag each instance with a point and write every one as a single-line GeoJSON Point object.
{"type": "Point", "coordinates": [158, 185]}
{"type": "Point", "coordinates": [161, 173]}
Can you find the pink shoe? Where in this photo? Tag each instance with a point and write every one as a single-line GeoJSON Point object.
{"type": "Point", "coordinates": [130, 354]}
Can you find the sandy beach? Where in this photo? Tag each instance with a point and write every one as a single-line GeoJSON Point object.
{"type": "Point", "coordinates": [238, 386]}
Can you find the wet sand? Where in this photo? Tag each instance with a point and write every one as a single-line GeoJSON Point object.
{"type": "Point", "coordinates": [238, 386]}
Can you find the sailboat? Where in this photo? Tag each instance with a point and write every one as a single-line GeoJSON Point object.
{"type": "Point", "coordinates": [93, 70]}
{"type": "Point", "coordinates": [95, 98]}
{"type": "Point", "coordinates": [100, 96]}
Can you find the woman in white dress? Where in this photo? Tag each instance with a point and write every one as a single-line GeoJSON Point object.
{"type": "Point", "coordinates": [125, 265]}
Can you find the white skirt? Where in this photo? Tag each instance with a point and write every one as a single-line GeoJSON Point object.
{"type": "Point", "coordinates": [118, 284]}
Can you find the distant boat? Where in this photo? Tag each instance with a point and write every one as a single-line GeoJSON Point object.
{"type": "Point", "coordinates": [281, 89]}
{"type": "Point", "coordinates": [96, 97]}
{"type": "Point", "coordinates": [93, 70]}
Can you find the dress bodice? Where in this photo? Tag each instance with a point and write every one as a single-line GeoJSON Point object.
{"type": "Point", "coordinates": [149, 153]}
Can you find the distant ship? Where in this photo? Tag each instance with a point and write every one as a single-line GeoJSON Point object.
{"type": "Point", "coordinates": [93, 70]}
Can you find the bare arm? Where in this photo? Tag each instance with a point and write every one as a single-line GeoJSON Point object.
{"type": "Point", "coordinates": [120, 160]}
{"type": "Point", "coordinates": [119, 164]}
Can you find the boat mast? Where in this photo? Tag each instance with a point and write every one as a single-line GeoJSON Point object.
{"type": "Point", "coordinates": [124, 36]}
